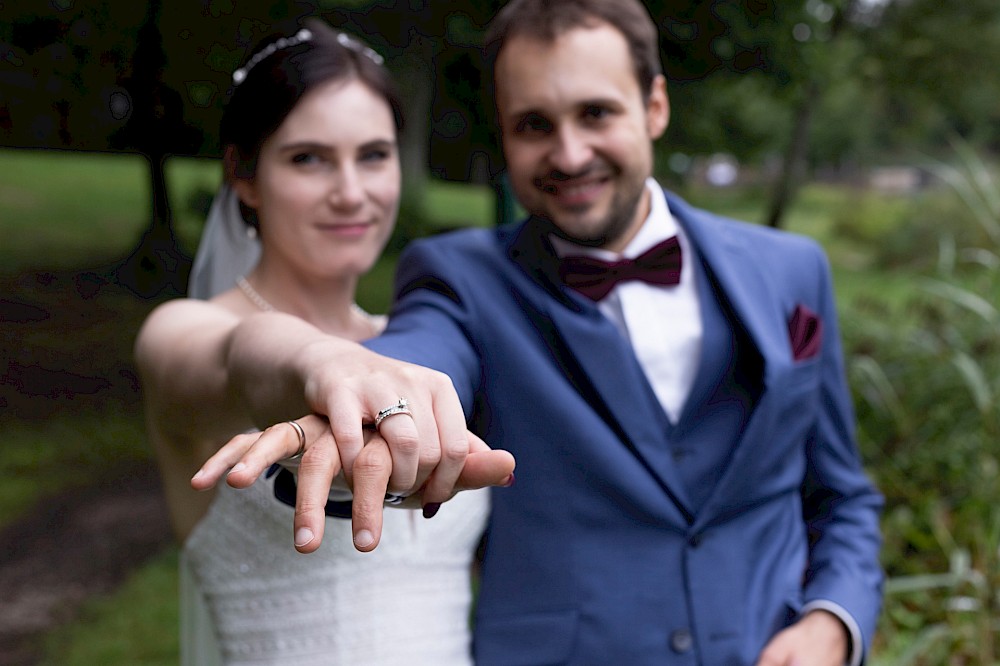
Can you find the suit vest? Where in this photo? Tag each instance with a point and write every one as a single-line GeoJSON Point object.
{"type": "Point", "coordinates": [727, 386]}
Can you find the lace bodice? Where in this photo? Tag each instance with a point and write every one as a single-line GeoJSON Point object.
{"type": "Point", "coordinates": [406, 602]}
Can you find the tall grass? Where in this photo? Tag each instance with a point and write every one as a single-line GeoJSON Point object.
{"type": "Point", "coordinates": [927, 378]}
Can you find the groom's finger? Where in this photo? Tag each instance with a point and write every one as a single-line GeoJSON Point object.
{"type": "Point", "coordinates": [222, 461]}
{"type": "Point", "coordinates": [453, 443]}
{"type": "Point", "coordinates": [319, 465]}
{"type": "Point", "coordinates": [372, 468]}
{"type": "Point", "coordinates": [485, 467]}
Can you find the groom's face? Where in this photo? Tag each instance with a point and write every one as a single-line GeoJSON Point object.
{"type": "Point", "coordinates": [577, 132]}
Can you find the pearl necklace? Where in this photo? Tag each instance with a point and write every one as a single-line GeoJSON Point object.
{"type": "Point", "coordinates": [264, 306]}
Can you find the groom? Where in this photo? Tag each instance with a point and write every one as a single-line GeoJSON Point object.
{"type": "Point", "coordinates": [688, 486]}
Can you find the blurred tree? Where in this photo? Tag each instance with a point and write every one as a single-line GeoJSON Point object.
{"type": "Point", "coordinates": [829, 83]}
{"type": "Point", "coordinates": [797, 83]}
{"type": "Point", "coordinates": [432, 49]}
{"type": "Point", "coordinates": [935, 70]}
{"type": "Point", "coordinates": [59, 66]}
{"type": "Point", "coordinates": [155, 128]}
{"type": "Point", "coordinates": [755, 75]}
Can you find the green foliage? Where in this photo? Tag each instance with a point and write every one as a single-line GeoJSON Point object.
{"type": "Point", "coordinates": [868, 219]}
{"type": "Point", "coordinates": [442, 206]}
{"type": "Point", "coordinates": [192, 184]}
{"type": "Point", "coordinates": [926, 372]}
{"type": "Point", "coordinates": [927, 54]}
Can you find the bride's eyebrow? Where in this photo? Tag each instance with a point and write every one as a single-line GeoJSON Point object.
{"type": "Point", "coordinates": [384, 144]}
{"type": "Point", "coordinates": [306, 146]}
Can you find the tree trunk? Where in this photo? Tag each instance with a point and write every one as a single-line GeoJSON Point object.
{"type": "Point", "coordinates": [157, 264]}
{"type": "Point", "coordinates": [414, 72]}
{"type": "Point", "coordinates": [793, 164]}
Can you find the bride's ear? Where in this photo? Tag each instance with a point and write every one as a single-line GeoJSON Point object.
{"type": "Point", "coordinates": [238, 172]}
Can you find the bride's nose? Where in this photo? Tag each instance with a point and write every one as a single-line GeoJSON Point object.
{"type": "Point", "coordinates": [346, 188]}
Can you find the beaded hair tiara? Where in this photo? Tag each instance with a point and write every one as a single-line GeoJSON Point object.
{"type": "Point", "coordinates": [303, 35]}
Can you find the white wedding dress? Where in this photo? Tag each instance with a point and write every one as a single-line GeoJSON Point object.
{"type": "Point", "coordinates": [407, 602]}
{"type": "Point", "coordinates": [248, 597]}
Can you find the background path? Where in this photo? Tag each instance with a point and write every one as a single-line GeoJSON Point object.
{"type": "Point", "coordinates": [73, 546]}
{"type": "Point", "coordinates": [65, 358]}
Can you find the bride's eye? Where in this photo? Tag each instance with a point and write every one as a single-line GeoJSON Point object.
{"type": "Point", "coordinates": [377, 155]}
{"type": "Point", "coordinates": [305, 158]}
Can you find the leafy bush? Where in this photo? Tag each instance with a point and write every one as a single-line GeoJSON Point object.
{"type": "Point", "coordinates": [926, 373]}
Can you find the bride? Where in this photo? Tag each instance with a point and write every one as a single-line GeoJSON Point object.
{"type": "Point", "coordinates": [312, 178]}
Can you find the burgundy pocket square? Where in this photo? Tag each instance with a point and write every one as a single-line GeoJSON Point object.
{"type": "Point", "coordinates": [805, 329]}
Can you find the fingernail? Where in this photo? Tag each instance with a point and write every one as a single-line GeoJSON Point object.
{"type": "Point", "coordinates": [238, 467]}
{"type": "Point", "coordinates": [199, 474]}
{"type": "Point", "coordinates": [363, 539]}
{"type": "Point", "coordinates": [303, 536]}
{"type": "Point", "coordinates": [430, 510]}
{"type": "Point", "coordinates": [508, 482]}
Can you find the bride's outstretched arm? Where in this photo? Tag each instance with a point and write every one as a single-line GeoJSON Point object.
{"type": "Point", "coordinates": [278, 367]}
{"type": "Point", "coordinates": [190, 410]}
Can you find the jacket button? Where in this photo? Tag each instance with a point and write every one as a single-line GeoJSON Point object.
{"type": "Point", "coordinates": [694, 540]}
{"type": "Point", "coordinates": [681, 641]}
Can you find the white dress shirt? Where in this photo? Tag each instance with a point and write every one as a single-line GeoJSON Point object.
{"type": "Point", "coordinates": [663, 323]}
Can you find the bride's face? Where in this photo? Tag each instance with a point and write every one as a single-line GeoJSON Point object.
{"type": "Point", "coordinates": [327, 184]}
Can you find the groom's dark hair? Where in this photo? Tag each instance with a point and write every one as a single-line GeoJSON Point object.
{"type": "Point", "coordinates": [545, 20]}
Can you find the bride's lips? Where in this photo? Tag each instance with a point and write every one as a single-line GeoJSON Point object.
{"type": "Point", "coordinates": [346, 229]}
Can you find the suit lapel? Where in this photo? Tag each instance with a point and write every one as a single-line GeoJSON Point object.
{"type": "Point", "coordinates": [756, 307]}
{"type": "Point", "coordinates": [603, 366]}
{"type": "Point", "coordinates": [598, 360]}
{"type": "Point", "coordinates": [741, 281]}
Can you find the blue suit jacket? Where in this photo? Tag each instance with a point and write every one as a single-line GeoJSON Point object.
{"type": "Point", "coordinates": [595, 555]}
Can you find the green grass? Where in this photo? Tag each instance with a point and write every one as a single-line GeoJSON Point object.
{"type": "Point", "coordinates": [138, 624]}
{"type": "Point", "coordinates": [456, 205]}
{"type": "Point", "coordinates": [66, 209]}
{"type": "Point", "coordinates": [42, 457]}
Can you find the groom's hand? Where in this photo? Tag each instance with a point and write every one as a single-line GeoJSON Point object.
{"type": "Point", "coordinates": [245, 457]}
{"type": "Point", "coordinates": [818, 639]}
{"type": "Point", "coordinates": [372, 468]}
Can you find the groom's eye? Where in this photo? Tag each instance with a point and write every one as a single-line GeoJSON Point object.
{"type": "Point", "coordinates": [533, 123]}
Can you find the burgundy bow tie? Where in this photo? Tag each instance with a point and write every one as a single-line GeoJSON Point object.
{"type": "Point", "coordinates": [661, 264]}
